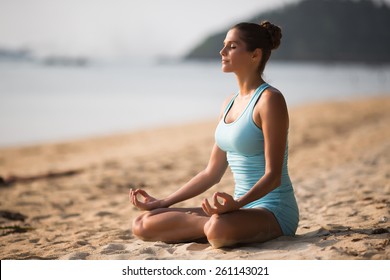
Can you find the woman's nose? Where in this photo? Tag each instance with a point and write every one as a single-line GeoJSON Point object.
{"type": "Point", "coordinates": [222, 52]}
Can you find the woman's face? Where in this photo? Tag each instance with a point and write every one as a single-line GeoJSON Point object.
{"type": "Point", "coordinates": [235, 56]}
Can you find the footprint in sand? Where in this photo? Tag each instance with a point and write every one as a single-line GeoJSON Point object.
{"type": "Point", "coordinates": [13, 216]}
{"type": "Point", "coordinates": [80, 243]}
{"type": "Point", "coordinates": [105, 213]}
{"type": "Point", "coordinates": [69, 215]}
{"type": "Point", "coordinates": [166, 247]}
{"type": "Point", "coordinates": [76, 256]}
{"type": "Point", "coordinates": [197, 247]}
{"type": "Point", "coordinates": [34, 240]}
{"type": "Point", "coordinates": [149, 251]}
{"type": "Point", "coordinates": [125, 235]}
{"type": "Point", "coordinates": [113, 248]}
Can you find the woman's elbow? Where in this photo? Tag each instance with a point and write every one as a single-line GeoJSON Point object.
{"type": "Point", "coordinates": [275, 179]}
{"type": "Point", "coordinates": [277, 182]}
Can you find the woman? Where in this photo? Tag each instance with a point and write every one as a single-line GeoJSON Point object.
{"type": "Point", "coordinates": [251, 138]}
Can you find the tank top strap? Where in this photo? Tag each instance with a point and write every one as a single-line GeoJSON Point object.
{"type": "Point", "coordinates": [227, 108]}
{"type": "Point", "coordinates": [256, 96]}
{"type": "Point", "coordinates": [253, 100]}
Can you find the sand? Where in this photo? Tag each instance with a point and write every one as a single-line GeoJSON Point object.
{"type": "Point", "coordinates": [69, 200]}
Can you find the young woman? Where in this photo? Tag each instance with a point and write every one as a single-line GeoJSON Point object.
{"type": "Point", "coordinates": [251, 138]}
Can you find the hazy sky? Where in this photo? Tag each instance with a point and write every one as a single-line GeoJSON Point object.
{"type": "Point", "coordinates": [119, 28]}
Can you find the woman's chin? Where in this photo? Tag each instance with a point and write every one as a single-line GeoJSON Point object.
{"type": "Point", "coordinates": [225, 69]}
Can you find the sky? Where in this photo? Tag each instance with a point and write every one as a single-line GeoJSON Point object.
{"type": "Point", "coordinates": [113, 29]}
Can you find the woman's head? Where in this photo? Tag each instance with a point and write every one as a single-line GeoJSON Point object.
{"type": "Point", "coordinates": [265, 37]}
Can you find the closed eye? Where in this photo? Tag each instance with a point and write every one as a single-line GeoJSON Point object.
{"type": "Point", "coordinates": [231, 45]}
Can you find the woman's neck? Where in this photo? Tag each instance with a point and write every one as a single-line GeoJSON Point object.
{"type": "Point", "coordinates": [248, 83]}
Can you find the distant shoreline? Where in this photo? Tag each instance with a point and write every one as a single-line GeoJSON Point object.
{"type": "Point", "coordinates": [159, 127]}
{"type": "Point", "coordinates": [59, 103]}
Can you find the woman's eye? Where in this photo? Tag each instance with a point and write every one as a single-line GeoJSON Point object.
{"type": "Point", "coordinates": [230, 46]}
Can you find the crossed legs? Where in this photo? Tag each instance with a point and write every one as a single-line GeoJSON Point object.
{"type": "Point", "coordinates": [173, 225]}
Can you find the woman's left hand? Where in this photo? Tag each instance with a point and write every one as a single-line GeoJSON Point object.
{"type": "Point", "coordinates": [146, 203]}
{"type": "Point", "coordinates": [228, 204]}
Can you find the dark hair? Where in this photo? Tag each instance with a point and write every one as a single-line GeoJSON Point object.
{"type": "Point", "coordinates": [265, 36]}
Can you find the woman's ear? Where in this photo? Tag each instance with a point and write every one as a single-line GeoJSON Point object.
{"type": "Point", "coordinates": [257, 53]}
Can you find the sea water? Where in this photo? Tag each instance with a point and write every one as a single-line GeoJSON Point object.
{"type": "Point", "coordinates": [41, 103]}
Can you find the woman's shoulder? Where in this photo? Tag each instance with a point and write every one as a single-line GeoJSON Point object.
{"type": "Point", "coordinates": [271, 96]}
{"type": "Point", "coordinates": [271, 103]}
{"type": "Point", "coordinates": [271, 91]}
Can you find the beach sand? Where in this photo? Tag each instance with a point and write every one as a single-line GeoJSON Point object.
{"type": "Point", "coordinates": [70, 200]}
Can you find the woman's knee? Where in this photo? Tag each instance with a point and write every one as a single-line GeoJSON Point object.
{"type": "Point", "coordinates": [217, 232]}
{"type": "Point", "coordinates": [140, 226]}
{"type": "Point", "coordinates": [213, 225]}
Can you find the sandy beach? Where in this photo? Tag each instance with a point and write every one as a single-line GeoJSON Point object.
{"type": "Point", "coordinates": [70, 200]}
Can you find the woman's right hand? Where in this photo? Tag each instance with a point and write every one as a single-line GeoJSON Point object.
{"type": "Point", "coordinates": [148, 202]}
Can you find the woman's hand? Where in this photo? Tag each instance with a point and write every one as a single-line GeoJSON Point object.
{"type": "Point", "coordinates": [228, 204]}
{"type": "Point", "coordinates": [148, 202]}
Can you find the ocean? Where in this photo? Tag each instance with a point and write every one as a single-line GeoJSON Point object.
{"type": "Point", "coordinates": [45, 103]}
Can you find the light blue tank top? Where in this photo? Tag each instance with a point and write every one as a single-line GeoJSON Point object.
{"type": "Point", "coordinates": [243, 142]}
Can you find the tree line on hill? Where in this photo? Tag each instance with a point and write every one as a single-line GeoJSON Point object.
{"type": "Point", "coordinates": [322, 31]}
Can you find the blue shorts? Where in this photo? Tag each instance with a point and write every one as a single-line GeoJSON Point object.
{"type": "Point", "coordinates": [284, 207]}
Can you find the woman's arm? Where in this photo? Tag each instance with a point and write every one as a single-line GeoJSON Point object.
{"type": "Point", "coordinates": [204, 180]}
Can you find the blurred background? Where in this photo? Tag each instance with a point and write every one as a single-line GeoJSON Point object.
{"type": "Point", "coordinates": [81, 68]}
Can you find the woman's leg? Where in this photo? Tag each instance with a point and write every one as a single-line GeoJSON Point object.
{"type": "Point", "coordinates": [242, 226]}
{"type": "Point", "coordinates": [171, 225]}
{"type": "Point", "coordinates": [174, 225]}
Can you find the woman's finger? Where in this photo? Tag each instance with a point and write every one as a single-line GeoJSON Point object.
{"type": "Point", "coordinates": [130, 195]}
{"type": "Point", "coordinates": [136, 200]}
{"type": "Point", "coordinates": [141, 192]}
{"type": "Point", "coordinates": [224, 195]}
{"type": "Point", "coordinates": [206, 207]}
{"type": "Point", "coordinates": [219, 205]}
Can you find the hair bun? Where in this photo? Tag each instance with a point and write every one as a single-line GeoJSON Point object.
{"type": "Point", "coordinates": [274, 32]}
